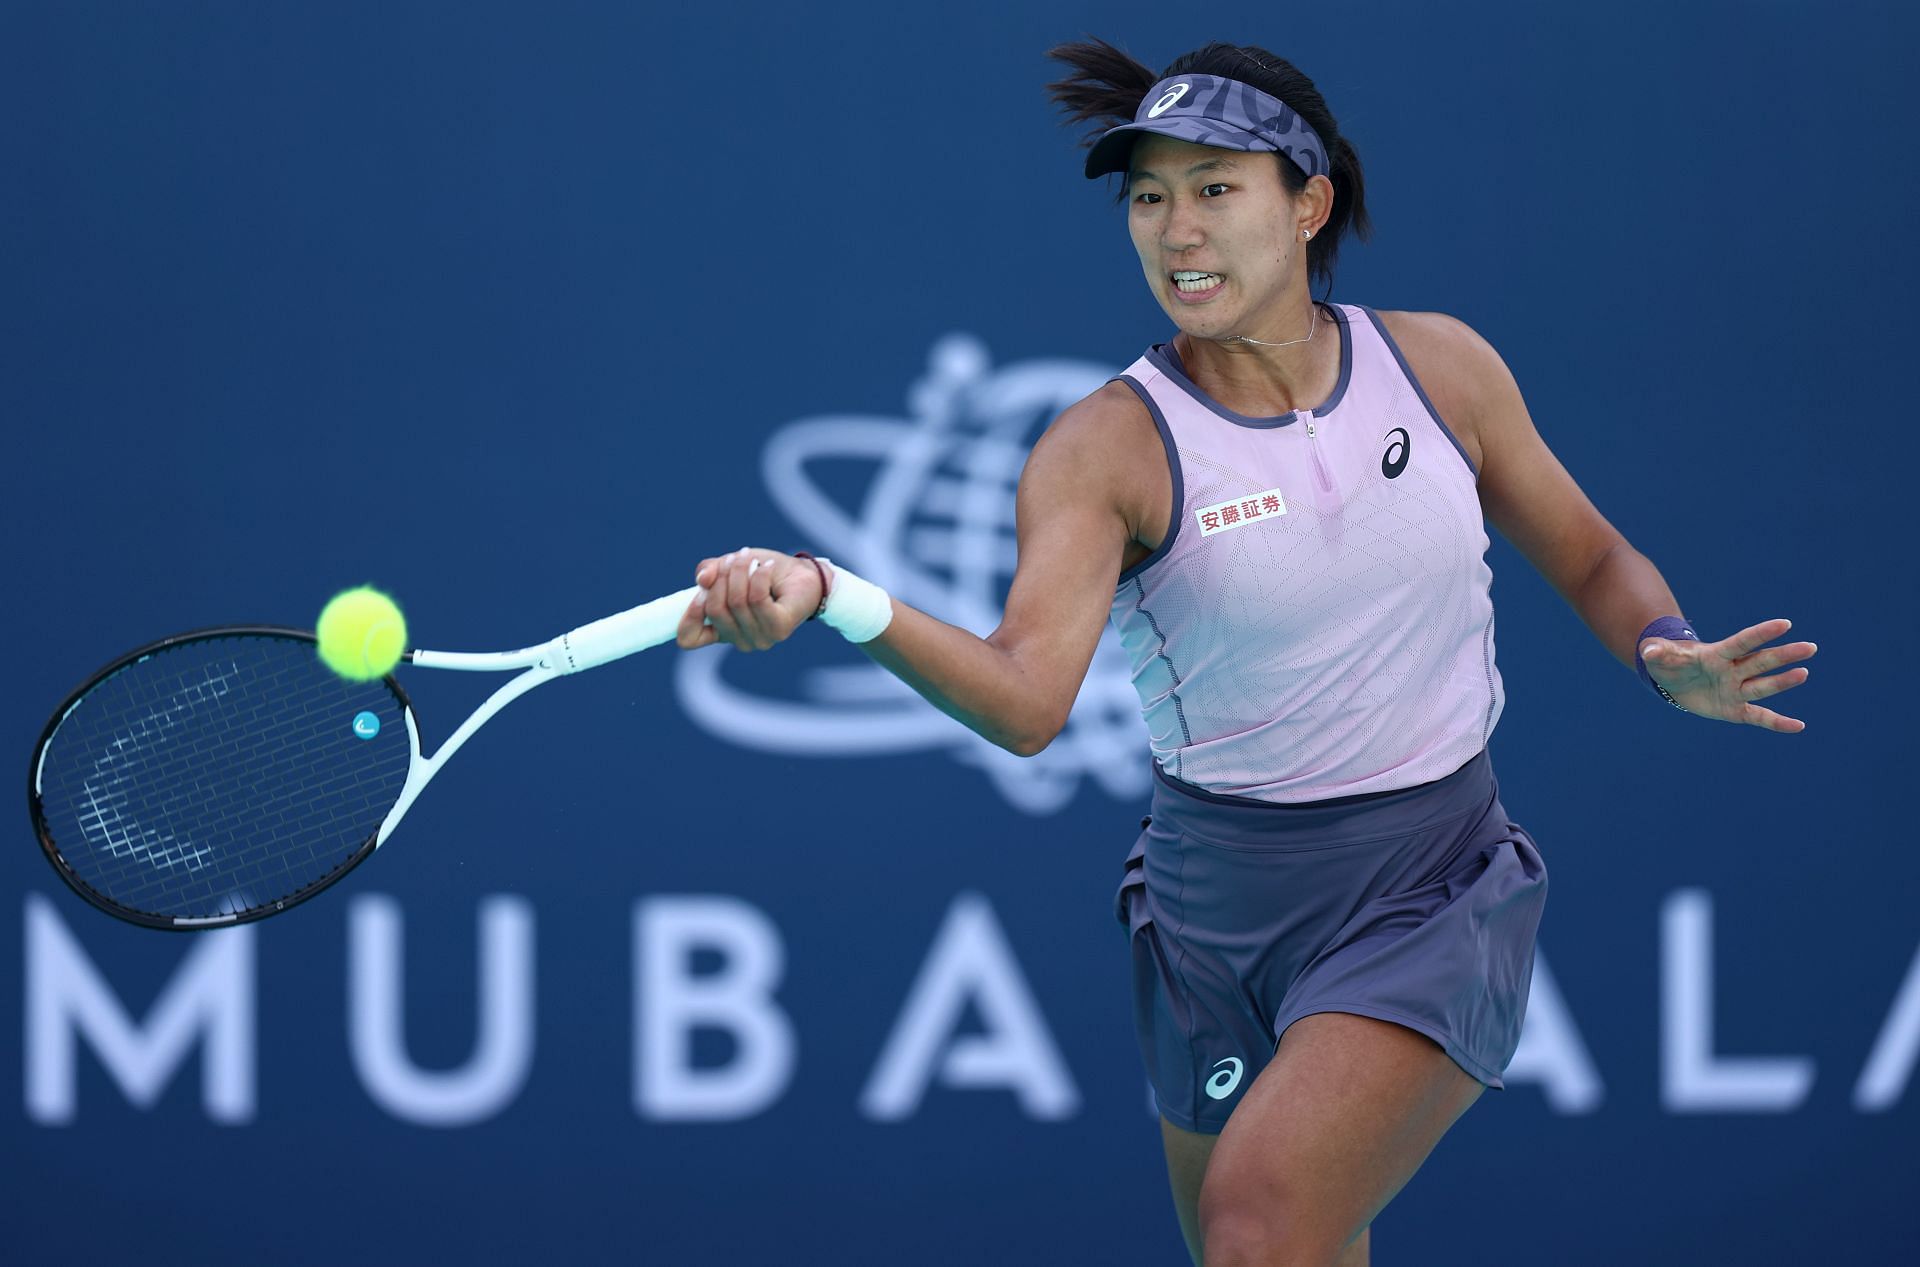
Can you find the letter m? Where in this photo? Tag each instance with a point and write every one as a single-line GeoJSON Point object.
{"type": "Point", "coordinates": [210, 997]}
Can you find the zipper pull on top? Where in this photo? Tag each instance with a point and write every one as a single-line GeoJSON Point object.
{"type": "Point", "coordinates": [1320, 474]}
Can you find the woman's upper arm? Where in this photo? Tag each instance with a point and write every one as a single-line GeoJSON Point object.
{"type": "Point", "coordinates": [1075, 518]}
{"type": "Point", "coordinates": [1524, 490]}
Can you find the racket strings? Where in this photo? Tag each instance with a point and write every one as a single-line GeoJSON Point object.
{"type": "Point", "coordinates": [218, 776]}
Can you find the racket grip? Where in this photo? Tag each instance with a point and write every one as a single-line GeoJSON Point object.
{"type": "Point", "coordinates": [622, 633]}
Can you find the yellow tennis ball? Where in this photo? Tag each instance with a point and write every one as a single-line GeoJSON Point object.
{"type": "Point", "coordinates": [361, 634]}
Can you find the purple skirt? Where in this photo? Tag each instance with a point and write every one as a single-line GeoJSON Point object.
{"type": "Point", "coordinates": [1417, 907]}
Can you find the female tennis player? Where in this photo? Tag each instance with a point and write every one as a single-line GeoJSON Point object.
{"type": "Point", "coordinates": [1281, 509]}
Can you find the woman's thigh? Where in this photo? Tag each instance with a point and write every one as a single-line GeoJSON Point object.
{"type": "Point", "coordinates": [1329, 1132]}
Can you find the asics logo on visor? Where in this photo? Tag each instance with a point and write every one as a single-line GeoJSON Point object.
{"type": "Point", "coordinates": [1221, 1085]}
{"type": "Point", "coordinates": [1167, 100]}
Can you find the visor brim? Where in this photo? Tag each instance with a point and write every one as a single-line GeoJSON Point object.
{"type": "Point", "coordinates": [1113, 152]}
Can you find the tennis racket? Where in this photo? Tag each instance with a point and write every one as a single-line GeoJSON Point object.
{"type": "Point", "coordinates": [225, 775]}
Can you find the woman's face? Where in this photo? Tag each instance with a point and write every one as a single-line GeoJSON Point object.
{"type": "Point", "coordinates": [1219, 236]}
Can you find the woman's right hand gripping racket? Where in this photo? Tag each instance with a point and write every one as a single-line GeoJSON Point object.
{"type": "Point", "coordinates": [225, 775]}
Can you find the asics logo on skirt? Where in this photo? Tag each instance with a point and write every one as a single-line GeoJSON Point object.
{"type": "Point", "coordinates": [1222, 1084]}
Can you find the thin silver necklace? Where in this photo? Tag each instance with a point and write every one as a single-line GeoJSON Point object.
{"type": "Point", "coordinates": [1311, 327]}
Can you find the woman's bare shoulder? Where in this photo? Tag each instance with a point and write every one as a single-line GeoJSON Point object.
{"type": "Point", "coordinates": [1105, 448]}
{"type": "Point", "coordinates": [1453, 349]}
{"type": "Point", "coordinates": [1107, 427]}
{"type": "Point", "coordinates": [1459, 369]}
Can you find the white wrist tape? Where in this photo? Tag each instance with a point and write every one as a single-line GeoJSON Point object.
{"type": "Point", "coordinates": [859, 610]}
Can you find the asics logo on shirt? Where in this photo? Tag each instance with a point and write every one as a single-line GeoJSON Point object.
{"type": "Point", "coordinates": [1394, 460]}
{"type": "Point", "coordinates": [1222, 1084]}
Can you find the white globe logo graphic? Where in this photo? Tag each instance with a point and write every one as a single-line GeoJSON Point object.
{"type": "Point", "coordinates": [935, 526]}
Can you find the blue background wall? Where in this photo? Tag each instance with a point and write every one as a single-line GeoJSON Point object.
{"type": "Point", "coordinates": [511, 309]}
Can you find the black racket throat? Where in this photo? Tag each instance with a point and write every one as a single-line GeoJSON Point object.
{"type": "Point", "coordinates": [217, 777]}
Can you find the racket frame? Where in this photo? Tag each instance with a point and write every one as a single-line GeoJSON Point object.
{"type": "Point", "coordinates": [599, 642]}
{"type": "Point", "coordinates": [184, 923]}
{"type": "Point", "coordinates": [609, 638]}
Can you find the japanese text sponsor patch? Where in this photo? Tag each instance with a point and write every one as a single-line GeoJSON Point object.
{"type": "Point", "coordinates": [1240, 511]}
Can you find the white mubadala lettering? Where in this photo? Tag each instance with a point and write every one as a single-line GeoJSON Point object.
{"type": "Point", "coordinates": [1693, 1079]}
{"type": "Point", "coordinates": [1552, 1054]}
{"type": "Point", "coordinates": [971, 962]}
{"type": "Point", "coordinates": [670, 1002]}
{"type": "Point", "coordinates": [376, 1016]}
{"type": "Point", "coordinates": [1890, 1064]}
{"type": "Point", "coordinates": [209, 999]}
{"type": "Point", "coordinates": [970, 970]}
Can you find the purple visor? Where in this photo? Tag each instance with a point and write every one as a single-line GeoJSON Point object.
{"type": "Point", "coordinates": [1209, 110]}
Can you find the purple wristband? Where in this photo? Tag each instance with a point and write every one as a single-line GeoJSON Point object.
{"type": "Point", "coordinates": [1673, 629]}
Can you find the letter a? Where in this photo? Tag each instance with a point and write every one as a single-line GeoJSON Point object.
{"type": "Point", "coordinates": [1552, 1052]}
{"type": "Point", "coordinates": [970, 963]}
{"type": "Point", "coordinates": [1891, 1062]}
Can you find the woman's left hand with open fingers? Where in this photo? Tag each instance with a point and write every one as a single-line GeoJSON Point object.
{"type": "Point", "coordinates": [1723, 679]}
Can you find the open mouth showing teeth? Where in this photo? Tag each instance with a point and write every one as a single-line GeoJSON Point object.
{"type": "Point", "coordinates": [1192, 282]}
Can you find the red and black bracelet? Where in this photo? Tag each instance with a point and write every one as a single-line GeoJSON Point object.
{"type": "Point", "coordinates": [802, 554]}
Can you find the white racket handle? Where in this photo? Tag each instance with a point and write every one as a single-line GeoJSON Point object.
{"type": "Point", "coordinates": [621, 634]}
{"type": "Point", "coordinates": [609, 638]}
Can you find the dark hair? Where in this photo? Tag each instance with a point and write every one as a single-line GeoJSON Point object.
{"type": "Point", "coordinates": [1107, 85]}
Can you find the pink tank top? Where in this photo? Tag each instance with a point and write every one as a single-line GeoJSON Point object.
{"type": "Point", "coordinates": [1317, 622]}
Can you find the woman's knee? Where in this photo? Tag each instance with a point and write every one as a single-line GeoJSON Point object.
{"type": "Point", "coordinates": [1241, 1224]}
